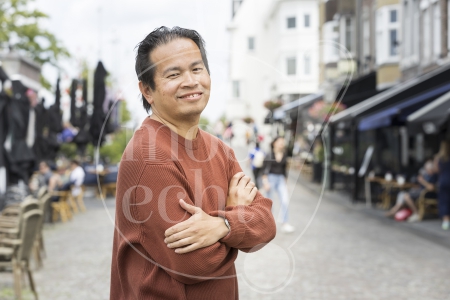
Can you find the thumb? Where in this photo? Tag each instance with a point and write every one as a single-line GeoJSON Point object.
{"type": "Point", "coordinates": [189, 208]}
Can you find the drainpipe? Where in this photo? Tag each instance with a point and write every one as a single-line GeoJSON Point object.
{"type": "Point", "coordinates": [444, 28]}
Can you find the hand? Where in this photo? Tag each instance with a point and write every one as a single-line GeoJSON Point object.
{"type": "Point", "coordinates": [199, 231]}
{"type": "Point", "coordinates": [266, 186]}
{"type": "Point", "coordinates": [241, 191]}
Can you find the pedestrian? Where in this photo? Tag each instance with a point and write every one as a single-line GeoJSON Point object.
{"type": "Point", "coordinates": [257, 157]}
{"type": "Point", "coordinates": [275, 179]}
{"type": "Point", "coordinates": [442, 166]}
{"type": "Point", "coordinates": [171, 170]}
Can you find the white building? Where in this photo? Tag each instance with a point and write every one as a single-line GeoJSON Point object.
{"type": "Point", "coordinates": [274, 54]}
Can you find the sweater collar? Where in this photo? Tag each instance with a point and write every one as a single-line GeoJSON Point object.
{"type": "Point", "coordinates": [185, 143]}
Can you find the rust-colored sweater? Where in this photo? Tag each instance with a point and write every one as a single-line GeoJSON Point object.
{"type": "Point", "coordinates": [158, 168]}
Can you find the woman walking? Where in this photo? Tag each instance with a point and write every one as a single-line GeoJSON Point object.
{"type": "Point", "coordinates": [275, 177]}
{"type": "Point", "coordinates": [442, 165]}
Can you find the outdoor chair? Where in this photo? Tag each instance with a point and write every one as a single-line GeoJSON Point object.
{"type": "Point", "coordinates": [12, 215]}
{"type": "Point", "coordinates": [109, 184]}
{"type": "Point", "coordinates": [15, 253]}
{"type": "Point", "coordinates": [79, 199]}
{"type": "Point", "coordinates": [61, 208]}
{"type": "Point", "coordinates": [427, 203]}
{"type": "Point", "coordinates": [39, 249]}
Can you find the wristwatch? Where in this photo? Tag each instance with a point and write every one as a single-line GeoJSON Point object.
{"type": "Point", "coordinates": [227, 224]}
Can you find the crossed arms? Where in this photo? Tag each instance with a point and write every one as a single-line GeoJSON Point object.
{"type": "Point", "coordinates": [189, 244]}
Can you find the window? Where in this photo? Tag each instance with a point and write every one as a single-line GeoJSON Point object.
{"type": "Point", "coordinates": [407, 39]}
{"type": "Point", "coordinates": [251, 43]}
{"type": "Point", "coordinates": [437, 30]}
{"type": "Point", "coordinates": [291, 66]}
{"type": "Point", "coordinates": [387, 34]}
{"type": "Point", "coordinates": [366, 40]}
{"type": "Point", "coordinates": [236, 89]}
{"type": "Point", "coordinates": [426, 35]}
{"type": "Point", "coordinates": [307, 64]}
{"type": "Point", "coordinates": [307, 19]}
{"type": "Point", "coordinates": [291, 22]}
{"type": "Point", "coordinates": [348, 34]}
{"type": "Point", "coordinates": [393, 49]}
{"type": "Point", "coordinates": [393, 16]}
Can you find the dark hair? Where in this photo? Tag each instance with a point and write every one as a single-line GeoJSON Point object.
{"type": "Point", "coordinates": [145, 70]}
{"type": "Point", "coordinates": [45, 163]}
{"type": "Point", "coordinates": [74, 161]}
{"type": "Point", "coordinates": [274, 141]}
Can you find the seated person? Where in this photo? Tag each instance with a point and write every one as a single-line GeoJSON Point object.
{"type": "Point", "coordinates": [427, 179]}
{"type": "Point", "coordinates": [46, 178]}
{"type": "Point", "coordinates": [76, 179]}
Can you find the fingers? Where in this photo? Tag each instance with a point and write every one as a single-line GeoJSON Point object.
{"type": "Point", "coordinates": [180, 243]}
{"type": "Point", "coordinates": [243, 182]}
{"type": "Point", "coordinates": [188, 207]}
{"type": "Point", "coordinates": [189, 248]}
{"type": "Point", "coordinates": [249, 187]}
{"type": "Point", "coordinates": [235, 179]}
{"type": "Point", "coordinates": [178, 228]}
{"type": "Point", "coordinates": [253, 193]}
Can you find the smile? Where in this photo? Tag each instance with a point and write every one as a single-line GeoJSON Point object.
{"type": "Point", "coordinates": [195, 96]}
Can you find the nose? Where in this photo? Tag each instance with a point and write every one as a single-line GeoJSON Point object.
{"type": "Point", "coordinates": [189, 80]}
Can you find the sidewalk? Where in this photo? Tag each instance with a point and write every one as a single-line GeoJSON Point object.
{"type": "Point", "coordinates": [429, 229]}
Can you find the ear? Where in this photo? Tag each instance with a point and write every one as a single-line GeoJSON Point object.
{"type": "Point", "coordinates": [146, 91]}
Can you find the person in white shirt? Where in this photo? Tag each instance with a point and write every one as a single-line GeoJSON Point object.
{"type": "Point", "coordinates": [76, 177]}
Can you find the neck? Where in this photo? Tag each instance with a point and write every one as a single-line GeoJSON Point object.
{"type": "Point", "coordinates": [188, 129]}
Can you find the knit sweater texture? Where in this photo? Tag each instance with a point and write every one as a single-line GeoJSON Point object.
{"type": "Point", "coordinates": [158, 168]}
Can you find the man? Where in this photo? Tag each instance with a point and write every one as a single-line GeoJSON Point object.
{"type": "Point", "coordinates": [76, 177]}
{"type": "Point", "coordinates": [46, 178]}
{"type": "Point", "coordinates": [427, 180]}
{"type": "Point", "coordinates": [183, 207]}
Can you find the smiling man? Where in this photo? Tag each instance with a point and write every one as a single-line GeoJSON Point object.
{"type": "Point", "coordinates": [184, 208]}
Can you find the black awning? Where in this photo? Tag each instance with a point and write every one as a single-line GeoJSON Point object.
{"type": "Point", "coordinates": [430, 118]}
{"type": "Point", "coordinates": [358, 90]}
{"type": "Point", "coordinates": [395, 94]}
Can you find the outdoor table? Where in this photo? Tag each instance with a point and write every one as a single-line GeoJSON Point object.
{"type": "Point", "coordinates": [388, 186]}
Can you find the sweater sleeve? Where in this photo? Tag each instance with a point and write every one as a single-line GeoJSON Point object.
{"type": "Point", "coordinates": [252, 225]}
{"type": "Point", "coordinates": [155, 206]}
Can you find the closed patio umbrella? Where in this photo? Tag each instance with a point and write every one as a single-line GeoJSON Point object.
{"type": "Point", "coordinates": [98, 116]}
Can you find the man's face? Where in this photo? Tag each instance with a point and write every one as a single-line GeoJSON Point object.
{"type": "Point", "coordinates": [182, 83]}
{"type": "Point", "coordinates": [43, 168]}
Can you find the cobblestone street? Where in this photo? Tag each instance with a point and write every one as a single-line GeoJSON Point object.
{"type": "Point", "coordinates": [343, 254]}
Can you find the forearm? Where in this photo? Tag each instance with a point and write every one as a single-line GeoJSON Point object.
{"type": "Point", "coordinates": [250, 225]}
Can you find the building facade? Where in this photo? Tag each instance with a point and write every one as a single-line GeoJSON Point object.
{"type": "Point", "coordinates": [273, 55]}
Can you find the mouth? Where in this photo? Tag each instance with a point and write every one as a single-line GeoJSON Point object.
{"type": "Point", "coordinates": [192, 96]}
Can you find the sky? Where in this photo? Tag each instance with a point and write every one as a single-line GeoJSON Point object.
{"type": "Point", "coordinates": [109, 30]}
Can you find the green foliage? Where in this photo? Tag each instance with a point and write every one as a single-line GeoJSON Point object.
{"type": "Point", "coordinates": [125, 115]}
{"type": "Point", "coordinates": [69, 150]}
{"type": "Point", "coordinates": [115, 149]}
{"type": "Point", "coordinates": [203, 123]}
{"type": "Point", "coordinates": [19, 29]}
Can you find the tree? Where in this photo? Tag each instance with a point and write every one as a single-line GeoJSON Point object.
{"type": "Point", "coordinates": [20, 30]}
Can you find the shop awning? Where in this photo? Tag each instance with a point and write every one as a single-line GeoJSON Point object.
{"type": "Point", "coordinates": [399, 112]}
{"type": "Point", "coordinates": [395, 94]}
{"type": "Point", "coordinates": [358, 90]}
{"type": "Point", "coordinates": [430, 117]}
{"type": "Point", "coordinates": [280, 112]}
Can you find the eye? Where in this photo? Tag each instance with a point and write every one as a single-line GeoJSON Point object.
{"type": "Point", "coordinates": [173, 75]}
{"type": "Point", "coordinates": [198, 69]}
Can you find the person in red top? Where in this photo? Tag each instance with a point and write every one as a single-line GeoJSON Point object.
{"type": "Point", "coordinates": [183, 207]}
